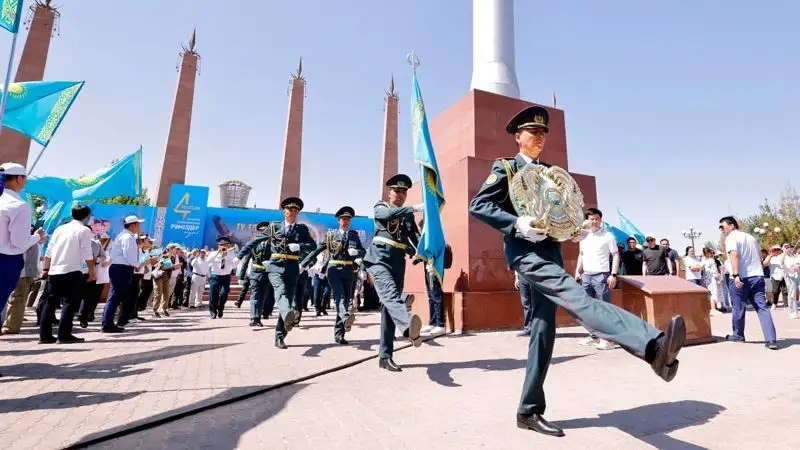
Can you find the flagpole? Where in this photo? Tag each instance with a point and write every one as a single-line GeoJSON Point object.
{"type": "Point", "coordinates": [8, 77]}
{"type": "Point", "coordinates": [35, 161]}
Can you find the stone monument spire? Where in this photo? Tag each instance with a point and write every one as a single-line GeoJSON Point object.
{"type": "Point", "coordinates": [41, 22]}
{"type": "Point", "coordinates": [293, 144]}
{"type": "Point", "coordinates": [389, 166]}
{"type": "Point", "coordinates": [173, 170]}
{"type": "Point", "coordinates": [493, 60]}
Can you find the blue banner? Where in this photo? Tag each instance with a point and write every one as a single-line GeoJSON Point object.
{"type": "Point", "coordinates": [185, 217]}
{"type": "Point", "coordinates": [629, 228]}
{"type": "Point", "coordinates": [107, 219]}
{"type": "Point", "coordinates": [239, 225]}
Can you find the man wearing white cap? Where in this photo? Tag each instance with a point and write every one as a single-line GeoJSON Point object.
{"type": "Point", "coordinates": [124, 261]}
{"type": "Point", "coordinates": [15, 228]}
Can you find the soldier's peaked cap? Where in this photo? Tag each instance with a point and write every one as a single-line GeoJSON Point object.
{"type": "Point", "coordinates": [345, 211]}
{"type": "Point", "coordinates": [399, 181]}
{"type": "Point", "coordinates": [224, 240]}
{"type": "Point", "coordinates": [292, 202]}
{"type": "Point", "coordinates": [530, 117]}
{"type": "Point", "coordinates": [262, 225]}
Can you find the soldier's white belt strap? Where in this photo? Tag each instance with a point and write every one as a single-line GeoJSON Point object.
{"type": "Point", "coordinates": [284, 256]}
{"type": "Point", "coordinates": [340, 262]}
{"type": "Point", "coordinates": [390, 242]}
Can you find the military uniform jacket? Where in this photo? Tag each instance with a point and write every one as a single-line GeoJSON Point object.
{"type": "Point", "coordinates": [492, 205]}
{"type": "Point", "coordinates": [337, 245]}
{"type": "Point", "coordinates": [256, 253]}
{"type": "Point", "coordinates": [396, 235]}
{"type": "Point", "coordinates": [281, 258]}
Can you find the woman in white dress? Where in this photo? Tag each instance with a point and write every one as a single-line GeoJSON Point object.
{"type": "Point", "coordinates": [712, 277]}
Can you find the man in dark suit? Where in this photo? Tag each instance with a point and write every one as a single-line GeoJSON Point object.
{"type": "Point", "coordinates": [537, 259]}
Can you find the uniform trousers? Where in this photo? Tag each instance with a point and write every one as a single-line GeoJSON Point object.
{"type": "Point", "coordinates": [341, 282]}
{"type": "Point", "coordinates": [553, 287]}
{"type": "Point", "coordinates": [65, 290]}
{"type": "Point", "coordinates": [300, 294]}
{"type": "Point", "coordinates": [394, 313]}
{"type": "Point", "coordinates": [283, 284]}
{"type": "Point", "coordinates": [259, 284]}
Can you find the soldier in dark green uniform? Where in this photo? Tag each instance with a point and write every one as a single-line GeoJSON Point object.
{"type": "Point", "coordinates": [396, 235]}
{"type": "Point", "coordinates": [343, 247]}
{"type": "Point", "coordinates": [537, 258]}
{"type": "Point", "coordinates": [287, 238]}
{"type": "Point", "coordinates": [298, 301]}
{"type": "Point", "coordinates": [257, 254]}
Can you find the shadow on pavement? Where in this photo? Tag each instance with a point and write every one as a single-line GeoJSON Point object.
{"type": "Point", "coordinates": [62, 400]}
{"type": "Point", "coordinates": [651, 423]}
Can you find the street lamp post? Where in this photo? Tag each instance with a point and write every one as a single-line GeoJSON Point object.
{"type": "Point", "coordinates": [691, 234]}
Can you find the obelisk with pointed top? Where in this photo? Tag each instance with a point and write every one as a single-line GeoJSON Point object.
{"type": "Point", "coordinates": [390, 164]}
{"type": "Point", "coordinates": [176, 154]}
{"type": "Point", "coordinates": [41, 22]}
{"type": "Point", "coordinates": [293, 143]}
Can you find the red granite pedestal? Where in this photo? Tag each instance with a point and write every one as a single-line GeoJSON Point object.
{"type": "Point", "coordinates": [467, 138]}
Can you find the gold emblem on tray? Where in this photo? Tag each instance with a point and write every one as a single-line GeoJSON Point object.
{"type": "Point", "coordinates": [552, 197]}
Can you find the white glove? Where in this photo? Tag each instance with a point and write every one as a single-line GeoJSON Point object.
{"type": "Point", "coordinates": [352, 252]}
{"type": "Point", "coordinates": [240, 281]}
{"type": "Point", "coordinates": [581, 236]}
{"type": "Point", "coordinates": [419, 208]}
{"type": "Point", "coordinates": [294, 247]}
{"type": "Point", "coordinates": [528, 232]}
{"type": "Point", "coordinates": [359, 261]}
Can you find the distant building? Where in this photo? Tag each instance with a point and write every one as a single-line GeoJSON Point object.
{"type": "Point", "coordinates": [234, 194]}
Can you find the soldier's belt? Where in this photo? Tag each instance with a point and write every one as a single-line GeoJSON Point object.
{"type": "Point", "coordinates": [258, 266]}
{"type": "Point", "coordinates": [390, 242]}
{"type": "Point", "coordinates": [284, 256]}
{"type": "Point", "coordinates": [340, 262]}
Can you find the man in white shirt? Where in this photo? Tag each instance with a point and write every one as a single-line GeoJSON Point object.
{"type": "Point", "coordinates": [124, 260]}
{"type": "Point", "coordinates": [748, 282]}
{"type": "Point", "coordinates": [200, 271]}
{"type": "Point", "coordinates": [221, 262]}
{"type": "Point", "coordinates": [15, 228]}
{"type": "Point", "coordinates": [69, 250]}
{"type": "Point", "coordinates": [597, 268]}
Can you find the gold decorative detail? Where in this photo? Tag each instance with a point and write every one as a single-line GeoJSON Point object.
{"type": "Point", "coordinates": [491, 179]}
{"type": "Point", "coordinates": [16, 90]}
{"type": "Point", "coordinates": [417, 115]}
{"type": "Point", "coordinates": [538, 119]}
{"type": "Point", "coordinates": [334, 245]}
{"type": "Point", "coordinates": [57, 113]}
{"type": "Point", "coordinates": [9, 13]}
{"type": "Point", "coordinates": [552, 197]}
{"type": "Point", "coordinates": [392, 226]}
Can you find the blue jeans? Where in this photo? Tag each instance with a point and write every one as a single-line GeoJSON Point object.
{"type": "Point", "coordinates": [10, 269]}
{"type": "Point", "coordinates": [698, 282]}
{"type": "Point", "coordinates": [596, 286]}
{"type": "Point", "coordinates": [753, 292]}
{"type": "Point", "coordinates": [725, 298]}
{"type": "Point", "coordinates": [435, 301]}
{"type": "Point", "coordinates": [121, 277]}
{"type": "Point", "coordinates": [526, 295]}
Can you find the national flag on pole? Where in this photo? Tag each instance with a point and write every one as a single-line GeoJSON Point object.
{"type": "Point", "coordinates": [123, 177]}
{"type": "Point", "coordinates": [36, 108]}
{"type": "Point", "coordinates": [431, 243]}
{"type": "Point", "coordinates": [629, 228]}
{"type": "Point", "coordinates": [620, 236]}
{"type": "Point", "coordinates": [10, 14]}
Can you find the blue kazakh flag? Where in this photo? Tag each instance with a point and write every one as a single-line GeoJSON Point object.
{"type": "Point", "coordinates": [10, 14]}
{"type": "Point", "coordinates": [620, 236]}
{"type": "Point", "coordinates": [630, 229]}
{"type": "Point", "coordinates": [431, 243]}
{"type": "Point", "coordinates": [36, 108]}
{"type": "Point", "coordinates": [123, 177]}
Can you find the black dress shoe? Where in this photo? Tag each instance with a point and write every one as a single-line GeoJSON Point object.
{"type": "Point", "coordinates": [389, 365]}
{"type": "Point", "coordinates": [71, 340]}
{"type": "Point", "coordinates": [258, 323]}
{"type": "Point", "coordinates": [238, 304]}
{"type": "Point", "coordinates": [288, 322]}
{"type": "Point", "coordinates": [50, 340]}
{"type": "Point", "coordinates": [280, 344]}
{"type": "Point", "coordinates": [84, 323]}
{"type": "Point", "coordinates": [342, 341]}
{"type": "Point", "coordinates": [113, 330]}
{"type": "Point", "coordinates": [665, 364]}
{"type": "Point", "coordinates": [771, 345]}
{"type": "Point", "coordinates": [537, 423]}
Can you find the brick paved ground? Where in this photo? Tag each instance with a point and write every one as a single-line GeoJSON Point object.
{"type": "Point", "coordinates": [455, 392]}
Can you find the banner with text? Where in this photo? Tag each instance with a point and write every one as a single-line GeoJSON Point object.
{"type": "Point", "coordinates": [185, 217]}
{"type": "Point", "coordinates": [107, 219]}
{"type": "Point", "coordinates": [239, 225]}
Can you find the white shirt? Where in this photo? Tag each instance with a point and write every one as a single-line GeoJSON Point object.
{"type": "Point", "coordinates": [200, 267]}
{"type": "Point", "coordinates": [749, 254]}
{"type": "Point", "coordinates": [215, 262]}
{"type": "Point", "coordinates": [775, 268]}
{"type": "Point", "coordinates": [15, 224]}
{"type": "Point", "coordinates": [596, 250]}
{"type": "Point", "coordinates": [688, 263]}
{"type": "Point", "coordinates": [791, 265]}
{"type": "Point", "coordinates": [124, 250]}
{"type": "Point", "coordinates": [70, 246]}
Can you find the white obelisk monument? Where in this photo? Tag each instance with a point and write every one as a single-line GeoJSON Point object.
{"type": "Point", "coordinates": [493, 68]}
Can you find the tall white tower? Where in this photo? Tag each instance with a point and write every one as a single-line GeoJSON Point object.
{"type": "Point", "coordinates": [493, 67]}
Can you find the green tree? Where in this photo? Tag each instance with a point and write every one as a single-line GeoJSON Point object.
{"type": "Point", "coordinates": [129, 200]}
{"type": "Point", "coordinates": [783, 217]}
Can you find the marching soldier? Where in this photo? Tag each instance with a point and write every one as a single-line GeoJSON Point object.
{"type": "Point", "coordinates": [289, 238]}
{"type": "Point", "coordinates": [396, 235]}
{"type": "Point", "coordinates": [538, 260]}
{"type": "Point", "coordinates": [257, 254]}
{"type": "Point", "coordinates": [343, 247]}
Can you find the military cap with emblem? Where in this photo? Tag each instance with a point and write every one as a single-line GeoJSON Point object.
{"type": "Point", "coordinates": [224, 240]}
{"type": "Point", "coordinates": [345, 211]}
{"type": "Point", "coordinates": [530, 117]}
{"type": "Point", "coordinates": [399, 181]}
{"type": "Point", "coordinates": [292, 202]}
{"type": "Point", "coordinates": [263, 225]}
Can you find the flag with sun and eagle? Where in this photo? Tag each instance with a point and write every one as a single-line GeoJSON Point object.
{"type": "Point", "coordinates": [37, 108]}
{"type": "Point", "coordinates": [431, 243]}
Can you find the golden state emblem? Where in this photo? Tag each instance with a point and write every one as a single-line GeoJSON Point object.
{"type": "Point", "coordinates": [552, 197]}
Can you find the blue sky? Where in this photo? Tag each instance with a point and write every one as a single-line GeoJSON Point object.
{"type": "Point", "coordinates": [680, 109]}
